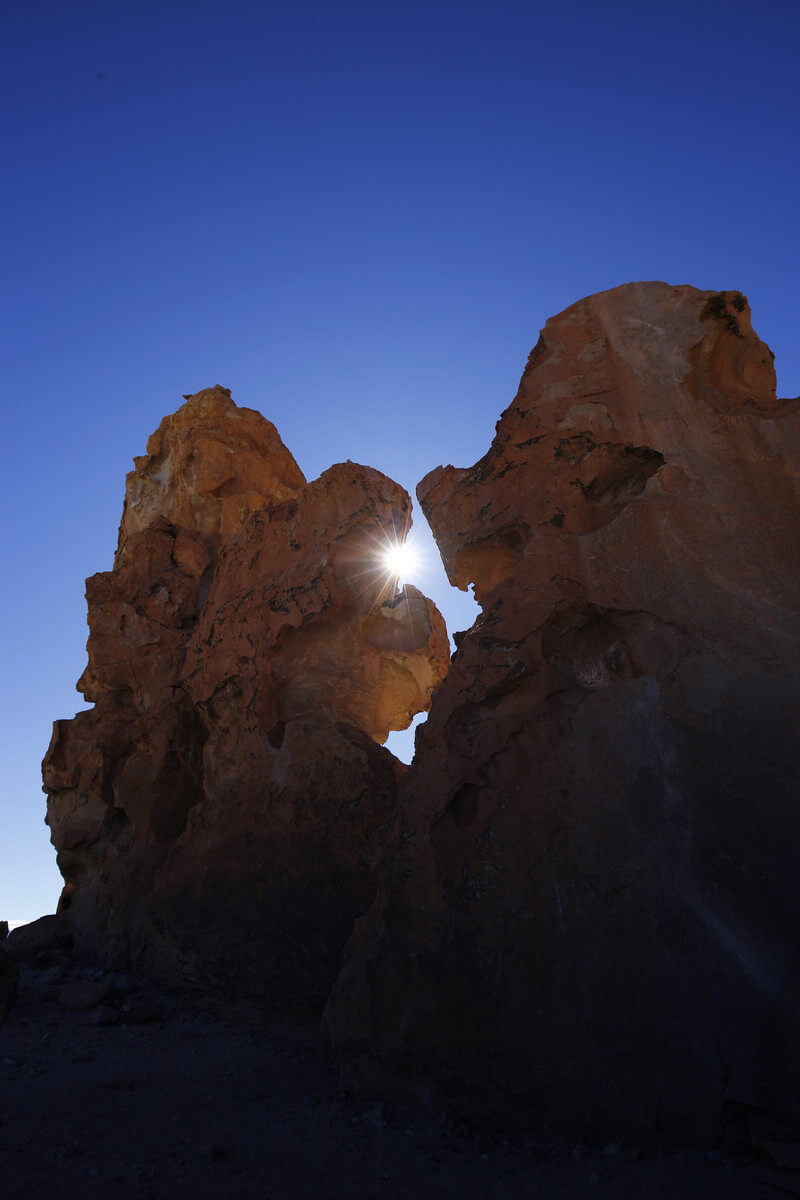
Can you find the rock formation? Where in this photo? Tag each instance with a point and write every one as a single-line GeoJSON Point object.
{"type": "Point", "coordinates": [579, 909]}
{"type": "Point", "coordinates": [304, 658]}
{"type": "Point", "coordinates": [244, 653]}
{"type": "Point", "coordinates": [588, 913]}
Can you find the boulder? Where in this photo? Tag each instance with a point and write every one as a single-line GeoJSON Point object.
{"type": "Point", "coordinates": [47, 935]}
{"type": "Point", "coordinates": [588, 905]}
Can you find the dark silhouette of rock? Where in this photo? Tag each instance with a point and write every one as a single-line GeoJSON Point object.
{"type": "Point", "coordinates": [588, 910]}
{"type": "Point", "coordinates": [37, 939]}
{"type": "Point", "coordinates": [212, 813]}
{"type": "Point", "coordinates": [9, 978]}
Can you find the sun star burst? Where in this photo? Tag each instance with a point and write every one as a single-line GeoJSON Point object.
{"type": "Point", "coordinates": [400, 560]}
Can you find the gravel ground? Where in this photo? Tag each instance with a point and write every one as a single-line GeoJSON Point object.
{"type": "Point", "coordinates": [133, 1096]}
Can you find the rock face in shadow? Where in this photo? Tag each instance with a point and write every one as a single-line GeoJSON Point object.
{"type": "Point", "coordinates": [212, 812]}
{"type": "Point", "coordinates": [588, 912]}
{"type": "Point", "coordinates": [9, 978]}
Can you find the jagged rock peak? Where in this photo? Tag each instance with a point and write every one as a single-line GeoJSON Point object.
{"type": "Point", "coordinates": [208, 466]}
{"type": "Point", "coordinates": [617, 386]}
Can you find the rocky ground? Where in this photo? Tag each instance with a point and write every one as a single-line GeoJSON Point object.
{"type": "Point", "coordinates": [111, 1089]}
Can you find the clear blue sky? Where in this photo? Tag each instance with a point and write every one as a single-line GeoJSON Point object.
{"type": "Point", "coordinates": [356, 216]}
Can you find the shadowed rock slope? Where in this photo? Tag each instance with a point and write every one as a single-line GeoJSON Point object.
{"type": "Point", "coordinates": [589, 902]}
{"type": "Point", "coordinates": [212, 813]}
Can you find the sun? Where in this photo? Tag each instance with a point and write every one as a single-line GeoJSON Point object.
{"type": "Point", "coordinates": [400, 560]}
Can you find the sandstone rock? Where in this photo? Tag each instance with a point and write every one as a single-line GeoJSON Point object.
{"type": "Point", "coordinates": [122, 777]}
{"type": "Point", "coordinates": [587, 908]}
{"type": "Point", "coordinates": [304, 618]}
{"type": "Point", "coordinates": [207, 467]}
{"type": "Point", "coordinates": [212, 813]}
{"type": "Point", "coordinates": [304, 658]}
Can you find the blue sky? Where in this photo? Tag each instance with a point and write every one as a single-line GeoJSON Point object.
{"type": "Point", "coordinates": [356, 216]}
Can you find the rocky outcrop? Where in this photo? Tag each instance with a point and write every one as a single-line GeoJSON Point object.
{"type": "Point", "coordinates": [305, 657]}
{"type": "Point", "coordinates": [207, 467]}
{"type": "Point", "coordinates": [589, 909]}
{"type": "Point", "coordinates": [123, 776]}
{"type": "Point", "coordinates": [579, 908]}
{"type": "Point", "coordinates": [244, 652]}
{"type": "Point", "coordinates": [303, 620]}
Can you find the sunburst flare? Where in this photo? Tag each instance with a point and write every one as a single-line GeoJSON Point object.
{"type": "Point", "coordinates": [400, 559]}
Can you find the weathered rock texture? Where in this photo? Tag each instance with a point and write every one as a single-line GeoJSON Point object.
{"type": "Point", "coordinates": [589, 901]}
{"type": "Point", "coordinates": [212, 812]}
{"type": "Point", "coordinates": [305, 657]}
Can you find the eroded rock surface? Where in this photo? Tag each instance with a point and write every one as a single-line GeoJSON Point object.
{"type": "Point", "coordinates": [305, 657]}
{"type": "Point", "coordinates": [589, 907]}
{"type": "Point", "coordinates": [244, 652]}
{"type": "Point", "coordinates": [207, 467]}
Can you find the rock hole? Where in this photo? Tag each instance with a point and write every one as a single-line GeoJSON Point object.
{"type": "Point", "coordinates": [624, 474]}
{"type": "Point", "coordinates": [276, 735]}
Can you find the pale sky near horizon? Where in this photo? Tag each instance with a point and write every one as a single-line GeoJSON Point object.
{"type": "Point", "coordinates": [355, 215]}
